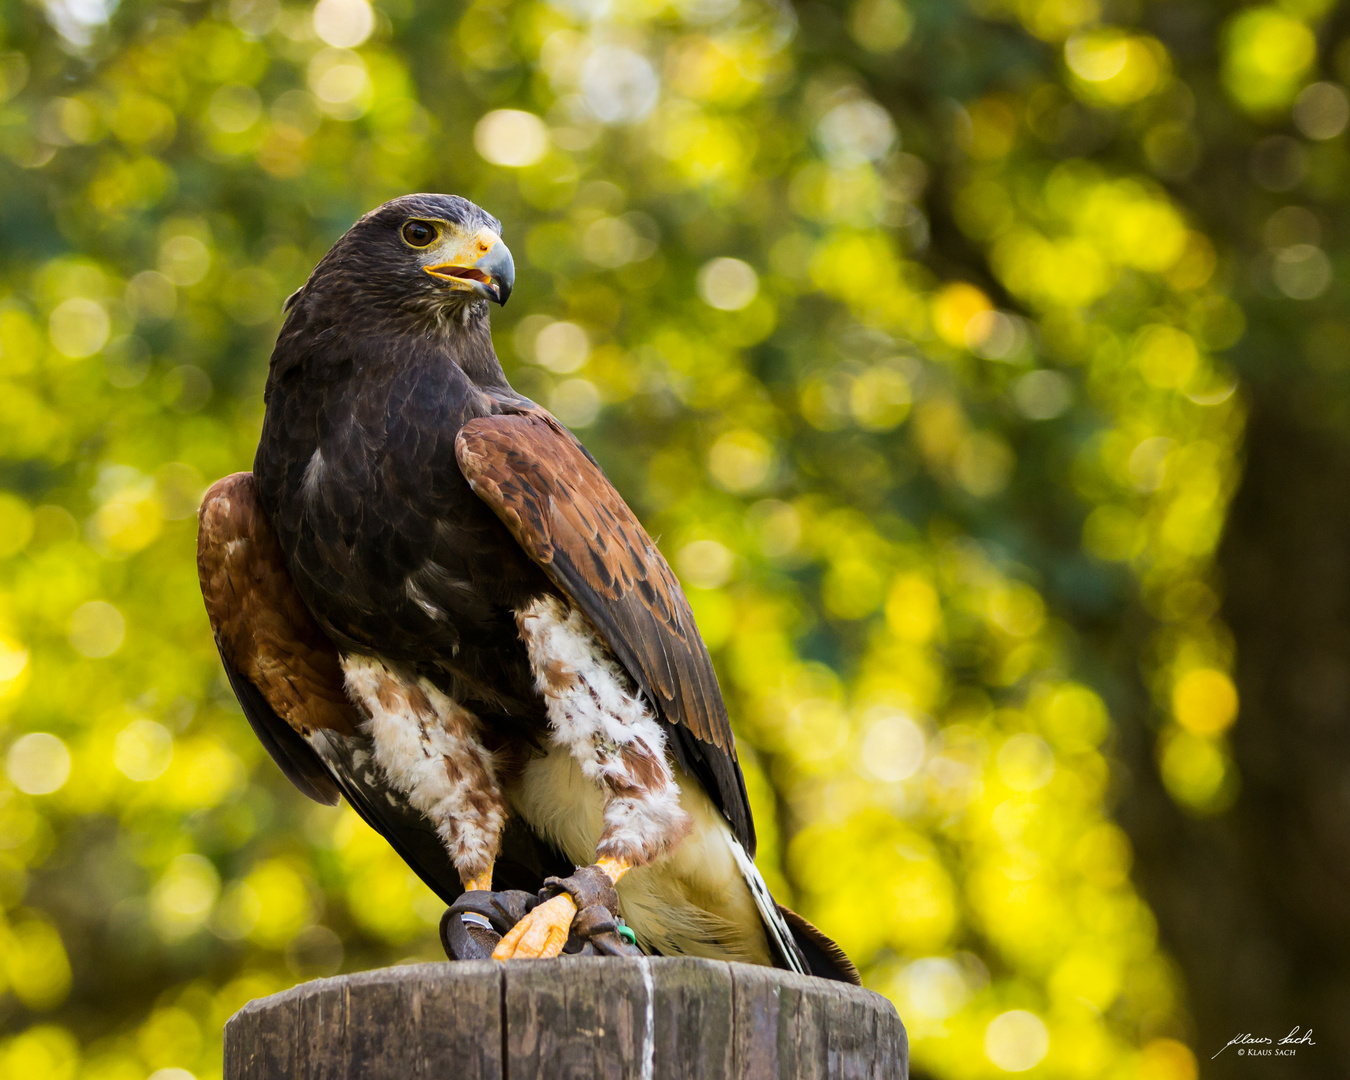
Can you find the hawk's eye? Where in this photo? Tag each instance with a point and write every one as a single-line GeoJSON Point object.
{"type": "Point", "coordinates": [419, 233]}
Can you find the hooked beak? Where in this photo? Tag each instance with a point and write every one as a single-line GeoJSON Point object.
{"type": "Point", "coordinates": [490, 276]}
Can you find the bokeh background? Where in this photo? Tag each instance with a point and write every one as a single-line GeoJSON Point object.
{"type": "Point", "coordinates": [982, 365]}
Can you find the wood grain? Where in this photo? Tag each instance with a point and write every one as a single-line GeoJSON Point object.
{"type": "Point", "coordinates": [391, 1024]}
{"type": "Point", "coordinates": [570, 1018]}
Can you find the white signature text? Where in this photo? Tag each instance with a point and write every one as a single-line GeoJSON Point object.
{"type": "Point", "coordinates": [1251, 1045]}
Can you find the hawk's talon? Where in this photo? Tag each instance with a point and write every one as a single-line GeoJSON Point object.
{"type": "Point", "coordinates": [476, 922]}
{"type": "Point", "coordinates": [596, 926]}
{"type": "Point", "coordinates": [541, 934]}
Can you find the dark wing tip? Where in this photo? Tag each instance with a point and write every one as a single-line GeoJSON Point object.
{"type": "Point", "coordinates": [823, 956]}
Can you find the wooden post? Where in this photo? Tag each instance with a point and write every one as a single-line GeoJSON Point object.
{"type": "Point", "coordinates": [573, 1018]}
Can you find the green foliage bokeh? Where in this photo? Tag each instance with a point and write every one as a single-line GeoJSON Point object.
{"type": "Point", "coordinates": [900, 324]}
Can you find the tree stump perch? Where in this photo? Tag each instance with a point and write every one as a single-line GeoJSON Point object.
{"type": "Point", "coordinates": [575, 1017]}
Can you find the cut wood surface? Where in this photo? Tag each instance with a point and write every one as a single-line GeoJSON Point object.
{"type": "Point", "coordinates": [574, 1017]}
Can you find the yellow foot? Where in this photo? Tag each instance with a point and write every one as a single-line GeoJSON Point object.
{"type": "Point", "coordinates": [541, 934]}
{"type": "Point", "coordinates": [481, 883]}
{"type": "Point", "coordinates": [614, 868]}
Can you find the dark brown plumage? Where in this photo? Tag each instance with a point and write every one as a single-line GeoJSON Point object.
{"type": "Point", "coordinates": [285, 672]}
{"type": "Point", "coordinates": [421, 531]}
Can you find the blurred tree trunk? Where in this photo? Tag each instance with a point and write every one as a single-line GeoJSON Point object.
{"type": "Point", "coordinates": [1255, 905]}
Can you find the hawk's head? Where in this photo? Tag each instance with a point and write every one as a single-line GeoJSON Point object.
{"type": "Point", "coordinates": [420, 255]}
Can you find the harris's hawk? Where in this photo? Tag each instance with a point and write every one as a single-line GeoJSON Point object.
{"type": "Point", "coordinates": [430, 599]}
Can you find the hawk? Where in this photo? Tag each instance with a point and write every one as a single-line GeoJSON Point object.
{"type": "Point", "coordinates": [430, 599]}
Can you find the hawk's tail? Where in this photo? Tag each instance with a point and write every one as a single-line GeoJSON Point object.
{"type": "Point", "coordinates": [799, 945]}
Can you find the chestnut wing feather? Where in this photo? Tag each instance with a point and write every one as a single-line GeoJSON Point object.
{"type": "Point", "coordinates": [283, 668]}
{"type": "Point", "coordinates": [561, 508]}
